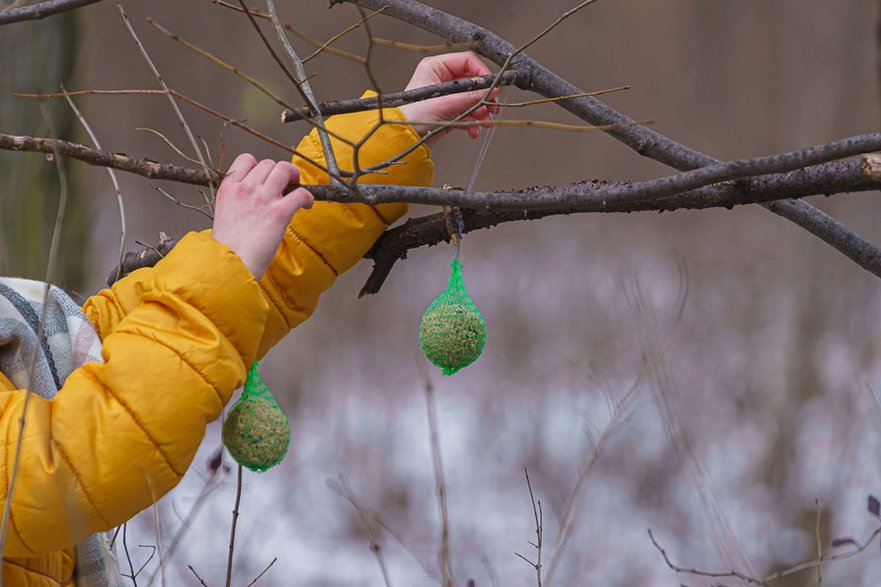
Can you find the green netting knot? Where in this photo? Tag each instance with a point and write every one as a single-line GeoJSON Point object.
{"type": "Point", "coordinates": [452, 331]}
{"type": "Point", "coordinates": [256, 431]}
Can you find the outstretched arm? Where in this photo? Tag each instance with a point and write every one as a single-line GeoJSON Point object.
{"type": "Point", "coordinates": [324, 242]}
{"type": "Point", "coordinates": [119, 434]}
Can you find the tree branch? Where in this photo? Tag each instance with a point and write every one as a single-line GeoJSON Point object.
{"type": "Point", "coordinates": [305, 90]}
{"type": "Point", "coordinates": [41, 10]}
{"type": "Point", "coordinates": [769, 179]}
{"type": "Point", "coordinates": [457, 86]}
{"type": "Point", "coordinates": [831, 178]}
{"type": "Point", "coordinates": [578, 197]}
{"type": "Point", "coordinates": [143, 167]}
{"type": "Point", "coordinates": [537, 78]}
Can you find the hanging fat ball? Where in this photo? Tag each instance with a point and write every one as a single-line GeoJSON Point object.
{"type": "Point", "coordinates": [452, 332]}
{"type": "Point", "coordinates": [256, 431]}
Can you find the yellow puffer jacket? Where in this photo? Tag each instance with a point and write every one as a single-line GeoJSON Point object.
{"type": "Point", "coordinates": [177, 340]}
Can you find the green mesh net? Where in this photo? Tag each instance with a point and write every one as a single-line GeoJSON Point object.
{"type": "Point", "coordinates": [452, 331]}
{"type": "Point", "coordinates": [256, 431]}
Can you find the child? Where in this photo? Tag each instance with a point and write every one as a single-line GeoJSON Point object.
{"type": "Point", "coordinates": [124, 388]}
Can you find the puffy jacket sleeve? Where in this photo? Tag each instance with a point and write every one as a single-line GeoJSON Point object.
{"type": "Point", "coordinates": [320, 243]}
{"type": "Point", "coordinates": [177, 339]}
{"type": "Point", "coordinates": [327, 240]}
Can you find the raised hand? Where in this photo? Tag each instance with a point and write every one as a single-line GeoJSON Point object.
{"type": "Point", "coordinates": [252, 213]}
{"type": "Point", "coordinates": [444, 68]}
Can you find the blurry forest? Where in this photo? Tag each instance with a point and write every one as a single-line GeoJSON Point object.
{"type": "Point", "coordinates": [711, 375]}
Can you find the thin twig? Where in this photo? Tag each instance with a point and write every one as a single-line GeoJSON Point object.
{"type": "Point", "coordinates": [857, 549]}
{"type": "Point", "coordinates": [149, 558]}
{"type": "Point", "coordinates": [299, 81]}
{"type": "Point", "coordinates": [218, 61]}
{"type": "Point", "coordinates": [415, 48]}
{"type": "Point", "coordinates": [201, 499]}
{"type": "Point", "coordinates": [379, 521]}
{"type": "Point", "coordinates": [305, 89]}
{"type": "Point", "coordinates": [159, 78]}
{"type": "Point", "coordinates": [326, 46]}
{"type": "Point", "coordinates": [157, 522]}
{"type": "Point", "coordinates": [375, 548]}
{"type": "Point", "coordinates": [678, 569]}
{"type": "Point", "coordinates": [321, 46]}
{"type": "Point", "coordinates": [54, 249]}
{"type": "Point", "coordinates": [201, 581]}
{"type": "Point", "coordinates": [168, 142]}
{"type": "Point", "coordinates": [128, 556]}
{"type": "Point", "coordinates": [228, 120]}
{"type": "Point", "coordinates": [561, 98]}
{"type": "Point", "coordinates": [267, 44]}
{"type": "Point", "coordinates": [819, 542]}
{"type": "Point", "coordinates": [263, 572]}
{"type": "Point", "coordinates": [539, 531]}
{"type": "Point", "coordinates": [198, 209]}
{"type": "Point", "coordinates": [553, 25]}
{"type": "Point", "coordinates": [444, 557]}
{"type": "Point", "coordinates": [619, 410]}
{"type": "Point", "coordinates": [232, 531]}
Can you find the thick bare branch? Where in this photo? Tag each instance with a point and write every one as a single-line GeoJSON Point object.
{"type": "Point", "coordinates": [825, 179]}
{"type": "Point", "coordinates": [143, 167]}
{"type": "Point", "coordinates": [41, 10]}
{"type": "Point", "coordinates": [566, 199]}
{"type": "Point", "coordinates": [831, 178]}
{"type": "Point", "coordinates": [701, 188]}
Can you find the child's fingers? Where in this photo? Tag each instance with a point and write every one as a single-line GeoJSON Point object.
{"type": "Point", "coordinates": [299, 198]}
{"type": "Point", "coordinates": [447, 67]}
{"type": "Point", "coordinates": [281, 176]}
{"type": "Point", "coordinates": [259, 172]}
{"type": "Point", "coordinates": [472, 129]}
{"type": "Point", "coordinates": [466, 64]}
{"type": "Point", "coordinates": [483, 113]}
{"type": "Point", "coordinates": [241, 166]}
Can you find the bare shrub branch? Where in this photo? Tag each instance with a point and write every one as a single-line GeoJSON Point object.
{"type": "Point", "coordinates": [440, 486]}
{"type": "Point", "coordinates": [858, 547]}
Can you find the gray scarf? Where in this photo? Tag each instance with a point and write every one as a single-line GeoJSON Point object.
{"type": "Point", "coordinates": [68, 341]}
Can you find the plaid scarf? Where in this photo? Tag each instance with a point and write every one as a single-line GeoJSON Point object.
{"type": "Point", "coordinates": [68, 341]}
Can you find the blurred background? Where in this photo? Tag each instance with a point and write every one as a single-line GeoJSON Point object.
{"type": "Point", "coordinates": [710, 375]}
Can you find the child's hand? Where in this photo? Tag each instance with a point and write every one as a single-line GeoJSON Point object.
{"type": "Point", "coordinates": [444, 68]}
{"type": "Point", "coordinates": [251, 214]}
